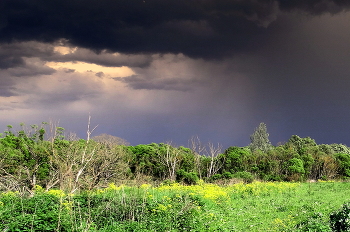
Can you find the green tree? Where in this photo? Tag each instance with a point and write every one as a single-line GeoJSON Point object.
{"type": "Point", "coordinates": [344, 163]}
{"type": "Point", "coordinates": [236, 159]}
{"type": "Point", "coordinates": [23, 159]}
{"type": "Point", "coordinates": [145, 161]}
{"type": "Point", "coordinates": [340, 148]}
{"type": "Point", "coordinates": [302, 145]}
{"type": "Point", "coordinates": [260, 139]}
{"type": "Point", "coordinates": [295, 166]}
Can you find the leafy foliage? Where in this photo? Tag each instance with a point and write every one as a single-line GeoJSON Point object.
{"type": "Point", "coordinates": [340, 220]}
{"type": "Point", "coordinates": [344, 164]}
{"type": "Point", "coordinates": [30, 157]}
{"type": "Point", "coordinates": [260, 139]}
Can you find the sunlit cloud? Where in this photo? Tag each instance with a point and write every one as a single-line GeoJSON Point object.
{"type": "Point", "coordinates": [98, 70]}
{"type": "Point", "coordinates": [64, 50]}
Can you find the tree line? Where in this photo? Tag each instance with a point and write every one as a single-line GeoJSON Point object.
{"type": "Point", "coordinates": [44, 155]}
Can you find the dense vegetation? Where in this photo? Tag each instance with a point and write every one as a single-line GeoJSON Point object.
{"type": "Point", "coordinates": [31, 157]}
{"type": "Point", "coordinates": [52, 181]}
{"type": "Point", "coordinates": [258, 206]}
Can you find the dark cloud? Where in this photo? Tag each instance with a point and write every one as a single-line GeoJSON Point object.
{"type": "Point", "coordinates": [26, 49]}
{"type": "Point", "coordinates": [10, 61]}
{"type": "Point", "coordinates": [315, 7]}
{"type": "Point", "coordinates": [30, 70]}
{"type": "Point", "coordinates": [104, 58]}
{"type": "Point", "coordinates": [216, 68]}
{"type": "Point", "coordinates": [142, 82]}
{"type": "Point", "coordinates": [207, 28]}
{"type": "Point", "coordinates": [7, 85]}
{"type": "Point", "coordinates": [12, 54]}
{"type": "Point", "coordinates": [20, 60]}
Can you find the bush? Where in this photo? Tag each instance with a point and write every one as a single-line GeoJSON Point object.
{"type": "Point", "coordinates": [227, 175]}
{"type": "Point", "coordinates": [271, 177]}
{"type": "Point", "coordinates": [215, 177]}
{"type": "Point", "coordinates": [246, 176]}
{"type": "Point", "coordinates": [187, 177]}
{"type": "Point", "coordinates": [340, 220]}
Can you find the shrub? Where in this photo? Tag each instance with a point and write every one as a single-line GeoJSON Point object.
{"type": "Point", "coordinates": [246, 176]}
{"type": "Point", "coordinates": [340, 219]}
{"type": "Point", "coordinates": [187, 177]}
{"type": "Point", "coordinates": [227, 175]}
{"type": "Point", "coordinates": [215, 177]}
{"type": "Point", "coordinates": [271, 177]}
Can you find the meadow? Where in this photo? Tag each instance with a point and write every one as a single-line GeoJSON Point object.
{"type": "Point", "coordinates": [256, 206]}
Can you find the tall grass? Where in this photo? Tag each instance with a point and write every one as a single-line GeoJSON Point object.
{"type": "Point", "coordinates": [173, 207]}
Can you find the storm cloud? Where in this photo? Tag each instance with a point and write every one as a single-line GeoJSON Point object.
{"type": "Point", "coordinates": [156, 70]}
{"type": "Point", "coordinates": [207, 28]}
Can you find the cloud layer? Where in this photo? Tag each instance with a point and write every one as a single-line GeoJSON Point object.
{"type": "Point", "coordinates": [155, 70]}
{"type": "Point", "coordinates": [207, 28]}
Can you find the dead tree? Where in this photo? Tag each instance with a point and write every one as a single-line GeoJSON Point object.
{"type": "Point", "coordinates": [214, 165]}
{"type": "Point", "coordinates": [170, 158]}
{"type": "Point", "coordinates": [199, 151]}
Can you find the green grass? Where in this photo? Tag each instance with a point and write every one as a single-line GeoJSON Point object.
{"type": "Point", "coordinates": [204, 207]}
{"type": "Point", "coordinates": [308, 203]}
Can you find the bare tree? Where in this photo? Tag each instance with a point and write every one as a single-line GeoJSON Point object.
{"type": "Point", "coordinates": [108, 164]}
{"type": "Point", "coordinates": [54, 130]}
{"type": "Point", "coordinates": [71, 136]}
{"type": "Point", "coordinates": [89, 132]}
{"type": "Point", "coordinates": [69, 161]}
{"type": "Point", "coordinates": [214, 164]}
{"type": "Point", "coordinates": [170, 158]}
{"type": "Point", "coordinates": [87, 156]}
{"type": "Point", "coordinates": [198, 150]}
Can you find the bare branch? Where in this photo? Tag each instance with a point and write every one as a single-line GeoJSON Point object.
{"type": "Point", "coordinates": [213, 153]}
{"type": "Point", "coordinates": [89, 132]}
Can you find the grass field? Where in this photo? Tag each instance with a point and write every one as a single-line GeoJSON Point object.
{"type": "Point", "coordinates": [258, 206]}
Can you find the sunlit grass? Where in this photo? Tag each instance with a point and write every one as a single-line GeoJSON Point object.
{"type": "Point", "coordinates": [258, 206]}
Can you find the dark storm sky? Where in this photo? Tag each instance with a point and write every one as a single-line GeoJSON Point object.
{"type": "Point", "coordinates": [160, 70]}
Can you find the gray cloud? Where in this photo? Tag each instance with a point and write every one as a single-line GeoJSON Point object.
{"type": "Point", "coordinates": [7, 91]}
{"type": "Point", "coordinates": [31, 70]}
{"type": "Point", "coordinates": [10, 61]}
{"type": "Point", "coordinates": [59, 91]}
{"type": "Point", "coordinates": [7, 85]}
{"type": "Point", "coordinates": [221, 27]}
{"type": "Point", "coordinates": [171, 72]}
{"type": "Point", "coordinates": [69, 70]}
{"type": "Point", "coordinates": [214, 68]}
{"type": "Point", "coordinates": [316, 7]}
{"type": "Point", "coordinates": [100, 74]}
{"type": "Point", "coordinates": [104, 58]}
{"type": "Point", "coordinates": [140, 82]}
{"type": "Point", "coordinates": [13, 55]}
{"type": "Point", "coordinates": [17, 50]}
